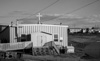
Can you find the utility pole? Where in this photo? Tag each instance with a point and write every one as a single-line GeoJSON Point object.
{"type": "Point", "coordinates": [16, 29]}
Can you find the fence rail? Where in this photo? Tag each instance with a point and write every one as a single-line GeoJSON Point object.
{"type": "Point", "coordinates": [13, 46]}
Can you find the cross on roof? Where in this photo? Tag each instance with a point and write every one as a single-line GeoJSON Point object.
{"type": "Point", "coordinates": [39, 15]}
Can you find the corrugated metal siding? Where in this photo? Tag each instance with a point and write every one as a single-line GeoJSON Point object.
{"type": "Point", "coordinates": [37, 42]}
{"type": "Point", "coordinates": [31, 28]}
{"type": "Point", "coordinates": [12, 35]}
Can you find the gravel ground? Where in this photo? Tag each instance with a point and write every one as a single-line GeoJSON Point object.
{"type": "Point", "coordinates": [49, 58]}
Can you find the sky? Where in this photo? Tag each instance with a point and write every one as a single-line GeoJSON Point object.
{"type": "Point", "coordinates": [26, 11]}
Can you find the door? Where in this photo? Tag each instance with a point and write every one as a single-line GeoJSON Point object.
{"type": "Point", "coordinates": [41, 40]}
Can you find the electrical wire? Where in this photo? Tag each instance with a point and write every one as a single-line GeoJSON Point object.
{"type": "Point", "coordinates": [46, 7]}
{"type": "Point", "coordinates": [43, 9]}
{"type": "Point", "coordinates": [67, 12]}
{"type": "Point", "coordinates": [82, 7]}
{"type": "Point", "coordinates": [78, 9]}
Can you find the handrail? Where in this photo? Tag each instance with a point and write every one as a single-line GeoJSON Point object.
{"type": "Point", "coordinates": [14, 46]}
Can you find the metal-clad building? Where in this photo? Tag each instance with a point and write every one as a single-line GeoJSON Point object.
{"type": "Point", "coordinates": [58, 32]}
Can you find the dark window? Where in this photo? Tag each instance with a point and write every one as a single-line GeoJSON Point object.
{"type": "Point", "coordinates": [29, 37]}
{"type": "Point", "coordinates": [55, 37]}
{"type": "Point", "coordinates": [25, 37]}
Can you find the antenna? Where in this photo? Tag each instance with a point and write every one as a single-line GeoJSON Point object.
{"type": "Point", "coordinates": [11, 23]}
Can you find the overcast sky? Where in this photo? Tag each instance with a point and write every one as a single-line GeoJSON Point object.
{"type": "Point", "coordinates": [10, 10]}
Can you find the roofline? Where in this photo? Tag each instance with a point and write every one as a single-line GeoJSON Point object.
{"type": "Point", "coordinates": [43, 25]}
{"type": "Point", "coordinates": [3, 25]}
{"type": "Point", "coordinates": [40, 24]}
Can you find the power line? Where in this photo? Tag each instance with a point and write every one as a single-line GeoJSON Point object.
{"type": "Point", "coordinates": [44, 8]}
{"type": "Point", "coordinates": [82, 7]}
{"type": "Point", "coordinates": [47, 7]}
{"type": "Point", "coordinates": [78, 8]}
{"type": "Point", "coordinates": [67, 12]}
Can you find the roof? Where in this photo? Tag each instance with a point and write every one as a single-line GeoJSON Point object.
{"type": "Point", "coordinates": [34, 24]}
{"type": "Point", "coordinates": [46, 32]}
{"type": "Point", "coordinates": [43, 25]}
{"type": "Point", "coordinates": [43, 32]}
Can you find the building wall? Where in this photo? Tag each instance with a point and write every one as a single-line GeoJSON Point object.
{"type": "Point", "coordinates": [31, 28]}
{"type": "Point", "coordinates": [0, 28]}
{"type": "Point", "coordinates": [74, 30]}
{"type": "Point", "coordinates": [13, 38]}
{"type": "Point", "coordinates": [39, 39]}
{"type": "Point", "coordinates": [4, 35]}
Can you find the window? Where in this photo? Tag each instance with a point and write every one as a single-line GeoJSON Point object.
{"type": "Point", "coordinates": [25, 37]}
{"type": "Point", "coordinates": [55, 37]}
{"type": "Point", "coordinates": [29, 37]}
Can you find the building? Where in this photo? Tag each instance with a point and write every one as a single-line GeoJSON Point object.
{"type": "Point", "coordinates": [39, 34]}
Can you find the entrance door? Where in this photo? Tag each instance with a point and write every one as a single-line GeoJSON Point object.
{"type": "Point", "coordinates": [41, 40]}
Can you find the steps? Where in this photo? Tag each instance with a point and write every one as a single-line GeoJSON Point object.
{"type": "Point", "coordinates": [49, 48]}
{"type": "Point", "coordinates": [52, 44]}
{"type": "Point", "coordinates": [44, 51]}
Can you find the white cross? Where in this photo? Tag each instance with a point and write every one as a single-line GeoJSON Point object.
{"type": "Point", "coordinates": [39, 15]}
